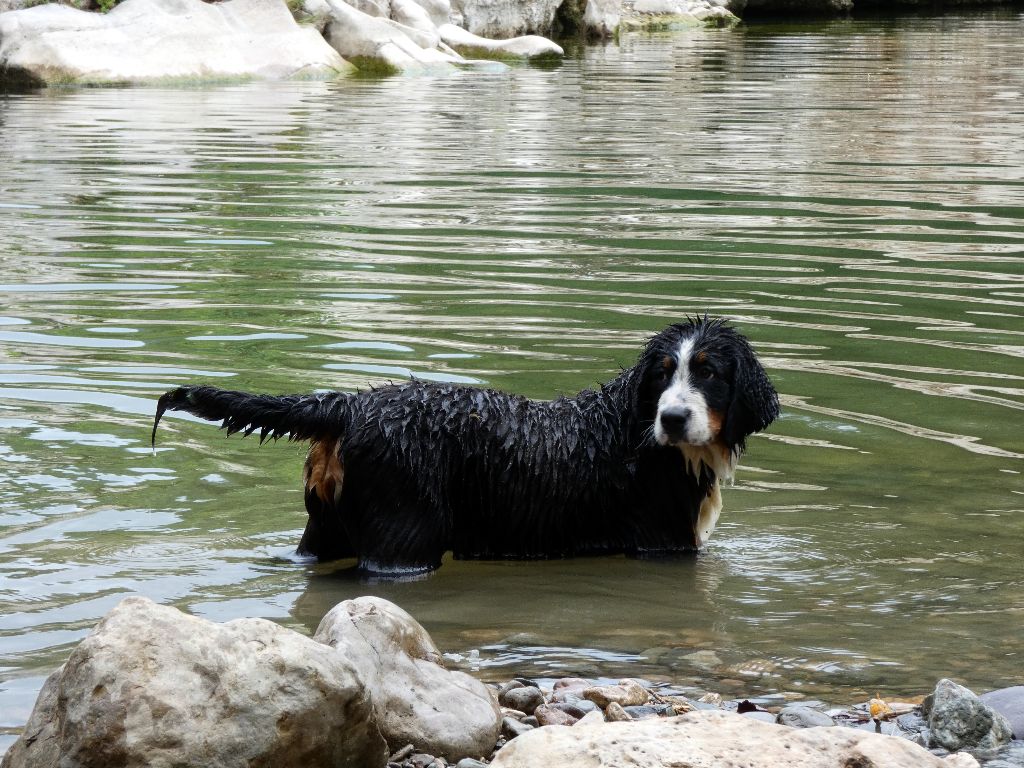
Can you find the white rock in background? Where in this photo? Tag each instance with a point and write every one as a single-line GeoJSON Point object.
{"type": "Point", "coordinates": [502, 18]}
{"type": "Point", "coordinates": [154, 686]}
{"type": "Point", "coordinates": [601, 18]}
{"type": "Point", "coordinates": [355, 35]}
{"type": "Point", "coordinates": [526, 46]}
{"type": "Point", "coordinates": [710, 739]}
{"type": "Point", "coordinates": [416, 700]}
{"type": "Point", "coordinates": [158, 40]}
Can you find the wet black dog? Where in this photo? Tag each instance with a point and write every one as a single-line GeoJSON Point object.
{"type": "Point", "coordinates": [398, 475]}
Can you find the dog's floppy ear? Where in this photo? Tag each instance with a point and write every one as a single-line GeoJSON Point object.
{"type": "Point", "coordinates": [755, 403]}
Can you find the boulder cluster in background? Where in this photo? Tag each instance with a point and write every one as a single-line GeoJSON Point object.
{"type": "Point", "coordinates": [154, 686]}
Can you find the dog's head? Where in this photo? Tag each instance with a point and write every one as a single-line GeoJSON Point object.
{"type": "Point", "coordinates": [705, 390]}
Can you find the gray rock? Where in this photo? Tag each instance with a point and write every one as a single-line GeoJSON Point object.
{"type": "Point", "coordinates": [415, 699]}
{"type": "Point", "coordinates": [615, 713]}
{"type": "Point", "coordinates": [1009, 702]}
{"type": "Point", "coordinates": [959, 720]}
{"type": "Point", "coordinates": [643, 711]}
{"type": "Point", "coordinates": [147, 41]}
{"type": "Point", "coordinates": [154, 686]}
{"type": "Point", "coordinates": [524, 698]}
{"type": "Point", "coordinates": [803, 717]}
{"type": "Point", "coordinates": [510, 728]}
{"type": "Point", "coordinates": [469, 762]}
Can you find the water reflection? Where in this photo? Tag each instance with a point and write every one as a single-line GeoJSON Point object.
{"type": "Point", "coordinates": [528, 230]}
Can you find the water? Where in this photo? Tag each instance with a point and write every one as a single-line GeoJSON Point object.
{"type": "Point", "coordinates": [851, 195]}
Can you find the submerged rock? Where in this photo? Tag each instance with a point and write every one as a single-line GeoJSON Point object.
{"type": "Point", "coordinates": [415, 699]}
{"type": "Point", "coordinates": [154, 686]}
{"type": "Point", "coordinates": [958, 719]}
{"type": "Point", "coordinates": [718, 739]}
{"type": "Point", "coordinates": [147, 41]}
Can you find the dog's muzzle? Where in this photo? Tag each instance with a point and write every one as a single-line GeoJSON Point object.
{"type": "Point", "coordinates": [674, 423]}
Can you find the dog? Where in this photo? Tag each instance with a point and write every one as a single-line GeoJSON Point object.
{"type": "Point", "coordinates": [398, 475]}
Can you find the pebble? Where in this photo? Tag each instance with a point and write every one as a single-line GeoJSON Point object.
{"type": "Point", "coordinates": [614, 713]}
{"type": "Point", "coordinates": [549, 714]}
{"type": "Point", "coordinates": [524, 698]}
{"type": "Point", "coordinates": [627, 693]}
{"type": "Point", "coordinates": [803, 717]}
{"type": "Point", "coordinates": [646, 711]}
{"type": "Point", "coordinates": [469, 762]}
{"type": "Point", "coordinates": [569, 687]}
{"type": "Point", "coordinates": [510, 728]}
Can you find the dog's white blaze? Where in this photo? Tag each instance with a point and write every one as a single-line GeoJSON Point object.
{"type": "Point", "coordinates": [682, 394]}
{"type": "Point", "coordinates": [697, 449]}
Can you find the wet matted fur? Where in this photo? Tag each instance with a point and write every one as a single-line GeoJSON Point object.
{"type": "Point", "coordinates": [400, 474]}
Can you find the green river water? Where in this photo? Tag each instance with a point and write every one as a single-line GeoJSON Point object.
{"type": "Point", "coordinates": [850, 194]}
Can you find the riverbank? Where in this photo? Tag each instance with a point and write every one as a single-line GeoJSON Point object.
{"type": "Point", "coordinates": [370, 688]}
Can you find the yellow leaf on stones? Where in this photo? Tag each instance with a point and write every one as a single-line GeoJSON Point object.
{"type": "Point", "coordinates": [879, 709]}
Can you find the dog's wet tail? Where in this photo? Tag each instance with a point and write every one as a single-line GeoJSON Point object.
{"type": "Point", "coordinates": [297, 417]}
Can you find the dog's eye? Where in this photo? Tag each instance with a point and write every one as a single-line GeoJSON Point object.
{"type": "Point", "coordinates": [705, 372]}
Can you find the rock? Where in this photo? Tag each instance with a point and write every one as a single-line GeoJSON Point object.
{"type": "Point", "coordinates": [525, 698]}
{"type": "Point", "coordinates": [1008, 702]}
{"type": "Point", "coordinates": [154, 686]}
{"type": "Point", "coordinates": [372, 42]}
{"type": "Point", "coordinates": [505, 18]}
{"type": "Point", "coordinates": [803, 717]}
{"type": "Point", "coordinates": [615, 713]}
{"type": "Point", "coordinates": [569, 687]}
{"type": "Point", "coordinates": [643, 711]}
{"type": "Point", "coordinates": [704, 739]}
{"type": "Point", "coordinates": [415, 699]}
{"type": "Point", "coordinates": [548, 714]}
{"type": "Point", "coordinates": [601, 18]}
{"type": "Point", "coordinates": [39, 744]}
{"type": "Point", "coordinates": [155, 41]}
{"type": "Point", "coordinates": [627, 693]}
{"type": "Point", "coordinates": [469, 762]}
{"type": "Point", "coordinates": [510, 728]}
{"type": "Point", "coordinates": [958, 719]}
{"type": "Point", "coordinates": [526, 47]}
{"type": "Point", "coordinates": [421, 760]}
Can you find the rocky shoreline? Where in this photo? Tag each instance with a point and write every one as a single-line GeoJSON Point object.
{"type": "Point", "coordinates": [159, 42]}
{"type": "Point", "coordinates": [154, 686]}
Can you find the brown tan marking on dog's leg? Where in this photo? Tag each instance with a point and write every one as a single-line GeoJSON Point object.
{"type": "Point", "coordinates": [324, 472]}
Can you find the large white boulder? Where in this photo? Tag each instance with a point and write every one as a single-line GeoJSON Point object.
{"type": "Point", "coordinates": [154, 686]}
{"type": "Point", "coordinates": [713, 739]}
{"type": "Point", "coordinates": [146, 41]}
{"type": "Point", "coordinates": [416, 700]}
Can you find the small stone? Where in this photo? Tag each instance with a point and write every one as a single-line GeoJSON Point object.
{"type": "Point", "coordinates": [524, 698]}
{"type": "Point", "coordinates": [510, 728]}
{"type": "Point", "coordinates": [704, 660]}
{"type": "Point", "coordinates": [627, 693]}
{"type": "Point", "coordinates": [714, 699]}
{"type": "Point", "coordinates": [759, 714]}
{"type": "Point", "coordinates": [572, 708]}
{"type": "Point", "coordinates": [421, 760]}
{"type": "Point", "coordinates": [803, 717]}
{"type": "Point", "coordinates": [469, 762]}
{"type": "Point", "coordinates": [531, 721]}
{"type": "Point", "coordinates": [511, 685]}
{"type": "Point", "coordinates": [401, 754]}
{"type": "Point", "coordinates": [644, 711]}
{"type": "Point", "coordinates": [548, 714]}
{"type": "Point", "coordinates": [569, 687]}
{"type": "Point", "coordinates": [591, 718]}
{"type": "Point", "coordinates": [615, 713]}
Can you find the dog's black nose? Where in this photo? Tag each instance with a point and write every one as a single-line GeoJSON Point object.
{"type": "Point", "coordinates": [674, 421]}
